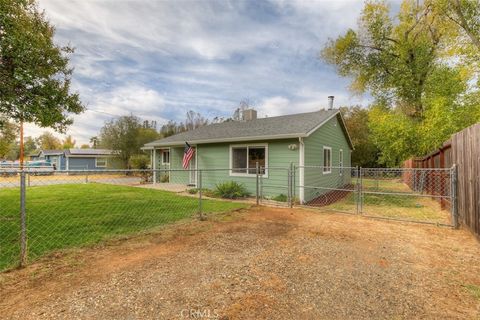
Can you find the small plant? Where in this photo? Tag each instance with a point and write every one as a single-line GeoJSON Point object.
{"type": "Point", "coordinates": [231, 190]}
{"type": "Point", "coordinates": [165, 178]}
{"type": "Point", "coordinates": [206, 192]}
{"type": "Point", "coordinates": [280, 198]}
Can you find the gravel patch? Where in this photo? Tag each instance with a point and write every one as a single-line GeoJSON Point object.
{"type": "Point", "coordinates": [268, 263]}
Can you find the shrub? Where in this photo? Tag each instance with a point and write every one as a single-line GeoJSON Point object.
{"type": "Point", "coordinates": [205, 192]}
{"type": "Point", "coordinates": [231, 190]}
{"type": "Point", "coordinates": [192, 191]}
{"type": "Point", "coordinates": [281, 198]}
{"type": "Point", "coordinates": [139, 161]}
{"type": "Point", "coordinates": [165, 178]}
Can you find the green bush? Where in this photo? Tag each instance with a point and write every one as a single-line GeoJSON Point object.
{"type": "Point", "coordinates": [139, 161]}
{"type": "Point", "coordinates": [231, 190]}
{"type": "Point", "coordinates": [281, 198]}
{"type": "Point", "coordinates": [165, 178]}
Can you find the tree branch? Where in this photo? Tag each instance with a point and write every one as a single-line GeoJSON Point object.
{"type": "Point", "coordinates": [463, 23]}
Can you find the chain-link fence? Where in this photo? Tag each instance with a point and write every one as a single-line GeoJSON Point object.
{"type": "Point", "coordinates": [420, 195]}
{"type": "Point", "coordinates": [46, 211]}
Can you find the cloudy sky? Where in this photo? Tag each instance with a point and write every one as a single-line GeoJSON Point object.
{"type": "Point", "coordinates": [159, 59]}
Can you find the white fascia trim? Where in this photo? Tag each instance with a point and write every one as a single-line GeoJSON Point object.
{"type": "Point", "coordinates": [346, 130]}
{"type": "Point", "coordinates": [301, 164]}
{"type": "Point", "coordinates": [91, 156]}
{"type": "Point", "coordinates": [239, 139]}
{"type": "Point", "coordinates": [230, 162]}
{"type": "Point", "coordinates": [321, 124]}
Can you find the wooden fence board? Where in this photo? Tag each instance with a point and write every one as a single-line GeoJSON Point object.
{"type": "Point", "coordinates": [466, 155]}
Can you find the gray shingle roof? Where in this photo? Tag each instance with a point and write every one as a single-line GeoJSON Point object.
{"type": "Point", "coordinates": [79, 152]}
{"type": "Point", "coordinates": [52, 152]}
{"type": "Point", "coordinates": [282, 127]}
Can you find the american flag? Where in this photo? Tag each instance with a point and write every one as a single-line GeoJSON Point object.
{"type": "Point", "coordinates": [188, 153]}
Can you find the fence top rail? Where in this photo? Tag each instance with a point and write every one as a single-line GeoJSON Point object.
{"type": "Point", "coordinates": [330, 167]}
{"type": "Point", "coordinates": [404, 169]}
{"type": "Point", "coordinates": [99, 171]}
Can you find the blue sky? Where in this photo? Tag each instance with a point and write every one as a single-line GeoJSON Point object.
{"type": "Point", "coordinates": [159, 59]}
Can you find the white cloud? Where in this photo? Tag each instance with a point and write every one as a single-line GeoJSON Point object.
{"type": "Point", "coordinates": [159, 59]}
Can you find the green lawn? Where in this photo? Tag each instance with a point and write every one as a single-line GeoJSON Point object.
{"type": "Point", "coordinates": [65, 216]}
{"type": "Point", "coordinates": [392, 206]}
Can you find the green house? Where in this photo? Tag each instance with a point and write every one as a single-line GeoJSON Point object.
{"type": "Point", "coordinates": [316, 144]}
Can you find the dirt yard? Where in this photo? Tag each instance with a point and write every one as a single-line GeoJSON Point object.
{"type": "Point", "coordinates": [259, 264]}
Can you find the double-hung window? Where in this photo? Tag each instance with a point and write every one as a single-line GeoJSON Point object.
{"type": "Point", "coordinates": [165, 157]}
{"type": "Point", "coordinates": [340, 158]}
{"type": "Point", "coordinates": [244, 158]}
{"type": "Point", "coordinates": [327, 160]}
{"type": "Point", "coordinates": [101, 162]}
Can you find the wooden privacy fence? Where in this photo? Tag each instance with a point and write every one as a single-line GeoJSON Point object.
{"type": "Point", "coordinates": [466, 155]}
{"type": "Point", "coordinates": [463, 150]}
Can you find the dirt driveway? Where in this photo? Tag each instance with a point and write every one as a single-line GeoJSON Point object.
{"type": "Point", "coordinates": [259, 264]}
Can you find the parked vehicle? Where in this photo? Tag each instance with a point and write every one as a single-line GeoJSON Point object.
{"type": "Point", "coordinates": [39, 167]}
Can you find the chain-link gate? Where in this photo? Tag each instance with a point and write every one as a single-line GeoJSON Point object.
{"type": "Point", "coordinates": [420, 195]}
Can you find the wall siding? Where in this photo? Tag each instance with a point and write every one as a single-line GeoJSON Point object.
{"type": "Point", "coordinates": [89, 163]}
{"type": "Point", "coordinates": [217, 156]}
{"type": "Point", "coordinates": [329, 135]}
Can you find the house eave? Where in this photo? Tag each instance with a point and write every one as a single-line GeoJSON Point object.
{"type": "Point", "coordinates": [151, 146]}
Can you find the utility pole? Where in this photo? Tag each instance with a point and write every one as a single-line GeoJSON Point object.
{"type": "Point", "coordinates": [21, 145]}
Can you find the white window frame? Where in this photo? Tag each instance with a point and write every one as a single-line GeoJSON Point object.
{"type": "Point", "coordinates": [163, 152]}
{"type": "Point", "coordinates": [96, 162]}
{"type": "Point", "coordinates": [340, 158]}
{"type": "Point", "coordinates": [253, 145]}
{"type": "Point", "coordinates": [323, 160]}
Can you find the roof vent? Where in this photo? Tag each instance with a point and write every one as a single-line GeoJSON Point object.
{"type": "Point", "coordinates": [249, 114]}
{"type": "Point", "coordinates": [330, 102]}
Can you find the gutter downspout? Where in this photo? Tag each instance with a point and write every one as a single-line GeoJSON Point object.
{"type": "Point", "coordinates": [301, 165]}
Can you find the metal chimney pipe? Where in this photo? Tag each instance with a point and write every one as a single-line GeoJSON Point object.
{"type": "Point", "coordinates": [330, 102]}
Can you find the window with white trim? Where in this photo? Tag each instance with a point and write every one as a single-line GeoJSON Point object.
{"type": "Point", "coordinates": [101, 162]}
{"type": "Point", "coordinates": [244, 158]}
{"type": "Point", "coordinates": [166, 157]}
{"type": "Point", "coordinates": [327, 160]}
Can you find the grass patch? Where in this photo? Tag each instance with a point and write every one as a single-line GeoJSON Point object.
{"type": "Point", "coordinates": [395, 206]}
{"type": "Point", "coordinates": [280, 198]}
{"type": "Point", "coordinates": [473, 290]}
{"type": "Point", "coordinates": [66, 216]}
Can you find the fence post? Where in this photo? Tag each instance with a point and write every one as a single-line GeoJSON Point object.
{"type": "Point", "coordinates": [86, 176]}
{"type": "Point", "coordinates": [290, 186]}
{"type": "Point", "coordinates": [200, 209]}
{"type": "Point", "coordinates": [453, 196]}
{"type": "Point", "coordinates": [23, 221]}
{"type": "Point", "coordinates": [257, 171]}
{"type": "Point", "coordinates": [294, 176]}
{"type": "Point", "coordinates": [357, 190]}
{"type": "Point", "coordinates": [260, 191]}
